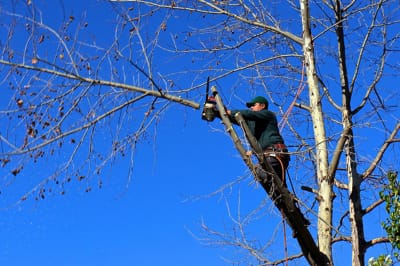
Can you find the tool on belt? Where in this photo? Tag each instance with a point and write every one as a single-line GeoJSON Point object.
{"type": "Point", "coordinates": [280, 151]}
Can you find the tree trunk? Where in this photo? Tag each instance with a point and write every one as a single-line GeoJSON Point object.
{"type": "Point", "coordinates": [324, 180]}
{"type": "Point", "coordinates": [355, 208]}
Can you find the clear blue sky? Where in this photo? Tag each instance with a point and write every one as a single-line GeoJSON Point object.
{"type": "Point", "coordinates": [154, 218]}
{"type": "Point", "coordinates": [147, 224]}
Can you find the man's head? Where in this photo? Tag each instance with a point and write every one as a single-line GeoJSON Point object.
{"type": "Point", "coordinates": [258, 103]}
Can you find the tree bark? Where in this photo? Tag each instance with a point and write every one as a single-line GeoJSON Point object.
{"type": "Point", "coordinates": [324, 180]}
{"type": "Point", "coordinates": [355, 208]}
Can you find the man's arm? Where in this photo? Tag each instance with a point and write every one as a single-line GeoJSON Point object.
{"type": "Point", "coordinates": [252, 115]}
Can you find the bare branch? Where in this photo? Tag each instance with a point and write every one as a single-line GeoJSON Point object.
{"type": "Point", "coordinates": [254, 23]}
{"type": "Point", "coordinates": [361, 55]}
{"type": "Point", "coordinates": [105, 82]}
{"type": "Point", "coordinates": [29, 148]}
{"type": "Point", "coordinates": [373, 206]}
{"type": "Point", "coordinates": [381, 151]}
{"type": "Point", "coordinates": [379, 240]}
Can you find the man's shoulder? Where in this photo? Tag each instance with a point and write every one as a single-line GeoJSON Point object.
{"type": "Point", "coordinates": [267, 112]}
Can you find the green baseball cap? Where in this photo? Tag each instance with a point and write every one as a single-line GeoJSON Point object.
{"type": "Point", "coordinates": [258, 99]}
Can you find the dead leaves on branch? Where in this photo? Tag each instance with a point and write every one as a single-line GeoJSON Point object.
{"type": "Point", "coordinates": [4, 162]}
{"type": "Point", "coordinates": [17, 170]}
{"type": "Point", "coordinates": [48, 189]}
{"type": "Point", "coordinates": [20, 103]}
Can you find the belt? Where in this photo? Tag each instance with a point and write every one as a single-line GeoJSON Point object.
{"type": "Point", "coordinates": [276, 147]}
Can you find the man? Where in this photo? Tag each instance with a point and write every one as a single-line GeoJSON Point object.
{"type": "Point", "coordinates": [263, 125]}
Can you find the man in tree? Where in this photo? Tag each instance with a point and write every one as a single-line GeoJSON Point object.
{"type": "Point", "coordinates": [263, 125]}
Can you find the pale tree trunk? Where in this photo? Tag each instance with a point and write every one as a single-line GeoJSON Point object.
{"type": "Point", "coordinates": [321, 160]}
{"type": "Point", "coordinates": [354, 182]}
{"type": "Point", "coordinates": [355, 208]}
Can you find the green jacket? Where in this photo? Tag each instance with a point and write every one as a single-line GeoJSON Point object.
{"type": "Point", "coordinates": [263, 125]}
